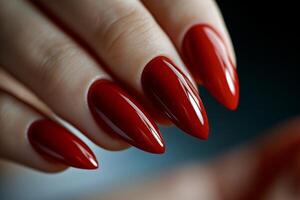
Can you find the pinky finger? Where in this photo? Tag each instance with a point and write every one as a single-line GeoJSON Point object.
{"type": "Point", "coordinates": [30, 139]}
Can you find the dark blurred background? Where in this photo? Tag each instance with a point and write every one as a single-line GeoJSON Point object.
{"type": "Point", "coordinates": [266, 41]}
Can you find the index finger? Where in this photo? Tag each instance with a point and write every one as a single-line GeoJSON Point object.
{"type": "Point", "coordinates": [198, 31]}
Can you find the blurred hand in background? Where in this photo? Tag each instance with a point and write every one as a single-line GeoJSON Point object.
{"type": "Point", "coordinates": [268, 169]}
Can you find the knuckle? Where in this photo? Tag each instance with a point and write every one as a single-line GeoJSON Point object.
{"type": "Point", "coordinates": [53, 67]}
{"type": "Point", "coordinates": [131, 26]}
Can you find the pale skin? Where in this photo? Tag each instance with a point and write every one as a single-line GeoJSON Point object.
{"type": "Point", "coordinates": [37, 58]}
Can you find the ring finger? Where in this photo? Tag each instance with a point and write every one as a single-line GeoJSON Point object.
{"type": "Point", "coordinates": [70, 82]}
{"type": "Point", "coordinates": [137, 51]}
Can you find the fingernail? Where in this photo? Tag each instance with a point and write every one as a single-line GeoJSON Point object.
{"type": "Point", "coordinates": [173, 93]}
{"type": "Point", "coordinates": [208, 59]}
{"type": "Point", "coordinates": [118, 114]}
{"type": "Point", "coordinates": [52, 140]}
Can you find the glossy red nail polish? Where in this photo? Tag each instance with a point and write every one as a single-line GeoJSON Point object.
{"type": "Point", "coordinates": [54, 141]}
{"type": "Point", "coordinates": [118, 114]}
{"type": "Point", "coordinates": [207, 57]}
{"type": "Point", "coordinates": [166, 86]}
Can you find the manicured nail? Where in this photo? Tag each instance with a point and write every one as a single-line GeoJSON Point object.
{"type": "Point", "coordinates": [173, 93]}
{"type": "Point", "coordinates": [208, 59]}
{"type": "Point", "coordinates": [118, 114]}
{"type": "Point", "coordinates": [52, 140]}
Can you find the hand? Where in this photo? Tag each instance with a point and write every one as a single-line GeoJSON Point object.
{"type": "Point", "coordinates": [111, 68]}
{"type": "Point", "coordinates": [268, 169]}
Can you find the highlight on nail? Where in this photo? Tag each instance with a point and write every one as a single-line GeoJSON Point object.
{"type": "Point", "coordinates": [207, 57]}
{"type": "Point", "coordinates": [172, 92]}
{"type": "Point", "coordinates": [119, 115]}
{"type": "Point", "coordinates": [54, 141]}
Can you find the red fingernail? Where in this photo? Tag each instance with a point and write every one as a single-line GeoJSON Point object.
{"type": "Point", "coordinates": [51, 139]}
{"type": "Point", "coordinates": [207, 57]}
{"type": "Point", "coordinates": [171, 90]}
{"type": "Point", "coordinates": [118, 114]}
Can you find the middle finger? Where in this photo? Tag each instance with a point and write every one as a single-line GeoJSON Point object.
{"type": "Point", "coordinates": [68, 80]}
{"type": "Point", "coordinates": [136, 50]}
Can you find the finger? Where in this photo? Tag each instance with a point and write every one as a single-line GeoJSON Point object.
{"type": "Point", "coordinates": [199, 33]}
{"type": "Point", "coordinates": [70, 82]}
{"type": "Point", "coordinates": [250, 173]}
{"type": "Point", "coordinates": [276, 154]}
{"type": "Point", "coordinates": [137, 52]}
{"type": "Point", "coordinates": [30, 139]}
{"type": "Point", "coordinates": [18, 90]}
{"type": "Point", "coordinates": [233, 177]}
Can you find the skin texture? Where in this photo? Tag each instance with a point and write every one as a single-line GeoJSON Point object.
{"type": "Point", "coordinates": [52, 53]}
{"type": "Point", "coordinates": [52, 67]}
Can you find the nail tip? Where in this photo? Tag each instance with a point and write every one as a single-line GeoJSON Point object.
{"type": "Point", "coordinates": [95, 164]}
{"type": "Point", "coordinates": [54, 141]}
{"type": "Point", "coordinates": [215, 69]}
{"type": "Point", "coordinates": [85, 162]}
{"type": "Point", "coordinates": [153, 141]}
{"type": "Point", "coordinates": [189, 114]}
{"type": "Point", "coordinates": [203, 135]}
{"type": "Point", "coordinates": [201, 130]}
{"type": "Point", "coordinates": [140, 130]}
{"type": "Point", "coordinates": [227, 97]}
{"type": "Point", "coordinates": [92, 164]}
{"type": "Point", "coordinates": [229, 105]}
{"type": "Point", "coordinates": [151, 149]}
{"type": "Point", "coordinates": [155, 149]}
{"type": "Point", "coordinates": [230, 102]}
{"type": "Point", "coordinates": [93, 167]}
{"type": "Point", "coordinates": [232, 107]}
{"type": "Point", "coordinates": [160, 151]}
{"type": "Point", "coordinates": [87, 159]}
{"type": "Point", "coordinates": [85, 167]}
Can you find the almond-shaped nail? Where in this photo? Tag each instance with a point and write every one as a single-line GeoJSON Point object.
{"type": "Point", "coordinates": [120, 115]}
{"type": "Point", "coordinates": [54, 141]}
{"type": "Point", "coordinates": [166, 86]}
{"type": "Point", "coordinates": [207, 57]}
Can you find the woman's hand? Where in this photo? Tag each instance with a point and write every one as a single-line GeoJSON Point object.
{"type": "Point", "coordinates": [266, 170]}
{"type": "Point", "coordinates": [111, 68]}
